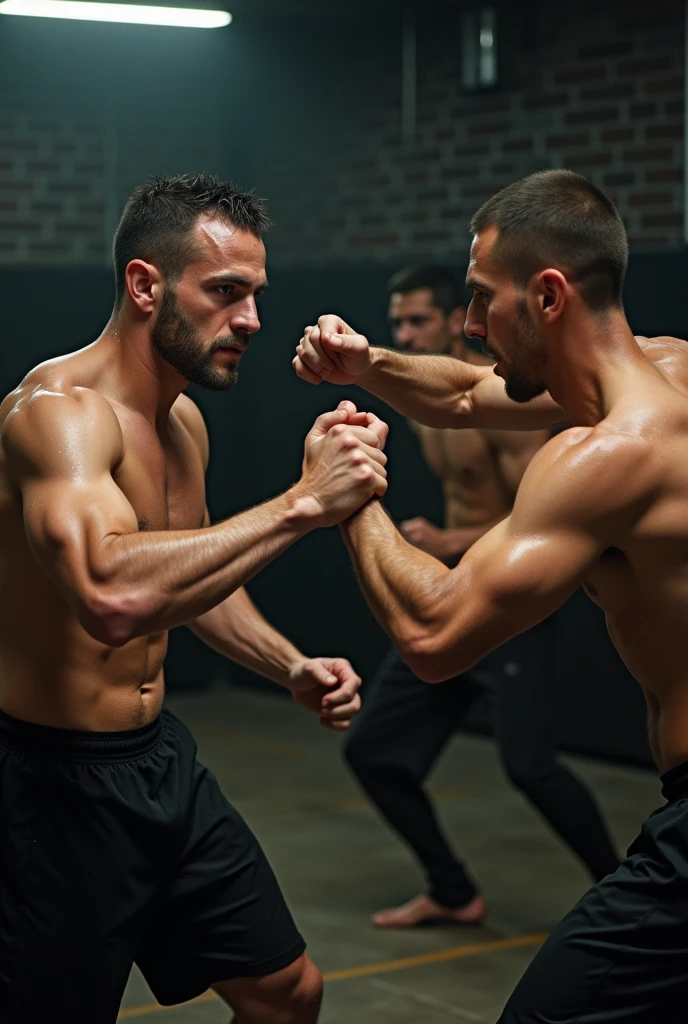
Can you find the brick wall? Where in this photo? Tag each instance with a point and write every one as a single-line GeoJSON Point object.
{"type": "Point", "coordinates": [66, 171]}
{"type": "Point", "coordinates": [88, 111]}
{"type": "Point", "coordinates": [596, 87]}
{"type": "Point", "coordinates": [53, 186]}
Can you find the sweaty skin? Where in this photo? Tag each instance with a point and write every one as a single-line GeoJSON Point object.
{"type": "Point", "coordinates": [105, 541]}
{"type": "Point", "coordinates": [604, 504]}
{"type": "Point", "coordinates": [480, 470]}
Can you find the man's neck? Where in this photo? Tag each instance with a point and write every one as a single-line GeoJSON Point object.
{"type": "Point", "coordinates": [589, 364]}
{"type": "Point", "coordinates": [136, 374]}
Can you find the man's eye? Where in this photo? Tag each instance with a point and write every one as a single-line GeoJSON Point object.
{"type": "Point", "coordinates": [225, 289]}
{"type": "Point", "coordinates": [418, 321]}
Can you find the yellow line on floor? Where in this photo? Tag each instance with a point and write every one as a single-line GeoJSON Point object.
{"type": "Point", "coordinates": [455, 953]}
{"type": "Point", "coordinates": [402, 964]}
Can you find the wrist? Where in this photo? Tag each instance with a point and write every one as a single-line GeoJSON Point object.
{"type": "Point", "coordinates": [295, 670]}
{"type": "Point", "coordinates": [304, 512]}
{"type": "Point", "coordinates": [377, 356]}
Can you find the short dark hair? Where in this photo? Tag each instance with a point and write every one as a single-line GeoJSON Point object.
{"type": "Point", "coordinates": [158, 218]}
{"type": "Point", "coordinates": [561, 218]}
{"type": "Point", "coordinates": [447, 290]}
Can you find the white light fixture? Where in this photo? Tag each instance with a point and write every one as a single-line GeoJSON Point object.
{"type": "Point", "coordinates": [479, 44]}
{"type": "Point", "coordinates": [131, 14]}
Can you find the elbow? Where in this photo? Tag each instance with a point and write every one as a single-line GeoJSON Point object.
{"type": "Point", "coordinates": [432, 661]}
{"type": "Point", "coordinates": [460, 414]}
{"type": "Point", "coordinates": [112, 619]}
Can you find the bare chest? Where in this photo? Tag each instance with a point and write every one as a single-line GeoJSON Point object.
{"type": "Point", "coordinates": [163, 478]}
{"type": "Point", "coordinates": [461, 456]}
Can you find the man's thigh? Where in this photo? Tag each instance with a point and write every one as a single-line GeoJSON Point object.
{"type": "Point", "coordinates": [73, 891]}
{"type": "Point", "coordinates": [401, 712]}
{"type": "Point", "coordinates": [524, 691]}
{"type": "Point", "coordinates": [621, 955]}
{"type": "Point", "coordinates": [222, 916]}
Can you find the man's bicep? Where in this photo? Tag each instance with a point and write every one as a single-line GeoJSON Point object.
{"type": "Point", "coordinates": [67, 524]}
{"type": "Point", "coordinates": [60, 453]}
{"type": "Point", "coordinates": [527, 576]}
{"type": "Point", "coordinates": [507, 583]}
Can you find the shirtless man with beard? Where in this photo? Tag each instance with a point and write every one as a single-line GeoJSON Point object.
{"type": "Point", "coordinates": [116, 845]}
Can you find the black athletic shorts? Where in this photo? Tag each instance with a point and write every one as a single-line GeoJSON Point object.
{"type": "Point", "coordinates": [118, 848]}
{"type": "Point", "coordinates": [621, 955]}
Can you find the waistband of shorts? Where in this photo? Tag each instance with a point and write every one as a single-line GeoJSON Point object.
{"type": "Point", "coordinates": [77, 744]}
{"type": "Point", "coordinates": [675, 782]}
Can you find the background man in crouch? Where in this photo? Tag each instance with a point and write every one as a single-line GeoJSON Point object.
{"type": "Point", "coordinates": [604, 504]}
{"type": "Point", "coordinates": [405, 724]}
{"type": "Point", "coordinates": [116, 845]}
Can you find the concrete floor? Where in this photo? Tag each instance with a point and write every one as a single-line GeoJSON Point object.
{"type": "Point", "coordinates": [337, 863]}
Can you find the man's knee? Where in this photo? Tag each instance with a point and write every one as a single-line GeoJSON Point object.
{"type": "Point", "coordinates": [308, 987]}
{"type": "Point", "coordinates": [526, 772]}
{"type": "Point", "coordinates": [290, 996]}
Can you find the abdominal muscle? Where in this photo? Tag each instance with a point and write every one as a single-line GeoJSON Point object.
{"type": "Point", "coordinates": [93, 687]}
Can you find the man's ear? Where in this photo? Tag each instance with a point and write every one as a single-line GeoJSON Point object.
{"type": "Point", "coordinates": [456, 321]}
{"type": "Point", "coordinates": [552, 289]}
{"type": "Point", "coordinates": [144, 284]}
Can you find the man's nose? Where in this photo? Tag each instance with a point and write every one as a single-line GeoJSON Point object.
{"type": "Point", "coordinates": [405, 335]}
{"type": "Point", "coordinates": [473, 327]}
{"type": "Point", "coordinates": [245, 318]}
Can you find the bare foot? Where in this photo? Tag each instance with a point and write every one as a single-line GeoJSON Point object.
{"type": "Point", "coordinates": [424, 910]}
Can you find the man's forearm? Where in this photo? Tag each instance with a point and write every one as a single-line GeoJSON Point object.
{"type": "Point", "coordinates": [236, 629]}
{"type": "Point", "coordinates": [401, 583]}
{"type": "Point", "coordinates": [425, 388]}
{"type": "Point", "coordinates": [443, 392]}
{"type": "Point", "coordinates": [165, 579]}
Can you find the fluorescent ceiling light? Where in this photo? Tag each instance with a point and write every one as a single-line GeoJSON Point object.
{"type": "Point", "coordinates": [135, 14]}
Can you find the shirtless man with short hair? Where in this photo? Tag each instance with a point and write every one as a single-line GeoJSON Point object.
{"type": "Point", "coordinates": [603, 504]}
{"type": "Point", "coordinates": [116, 845]}
{"type": "Point", "coordinates": [405, 724]}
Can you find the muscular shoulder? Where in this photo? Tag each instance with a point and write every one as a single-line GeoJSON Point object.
{"type": "Point", "coordinates": [654, 347]}
{"type": "Point", "coordinates": [670, 357]}
{"type": "Point", "coordinates": [191, 417]}
{"type": "Point", "coordinates": [49, 429]}
{"type": "Point", "coordinates": [589, 474]}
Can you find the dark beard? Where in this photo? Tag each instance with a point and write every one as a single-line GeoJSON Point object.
{"type": "Point", "coordinates": [175, 339]}
{"type": "Point", "coordinates": [521, 390]}
{"type": "Point", "coordinates": [519, 387]}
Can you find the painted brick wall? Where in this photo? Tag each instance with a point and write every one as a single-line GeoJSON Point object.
{"type": "Point", "coordinates": [596, 87]}
{"type": "Point", "coordinates": [53, 184]}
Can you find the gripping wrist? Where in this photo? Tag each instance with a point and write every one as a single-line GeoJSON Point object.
{"type": "Point", "coordinates": [377, 362]}
{"type": "Point", "coordinates": [304, 511]}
